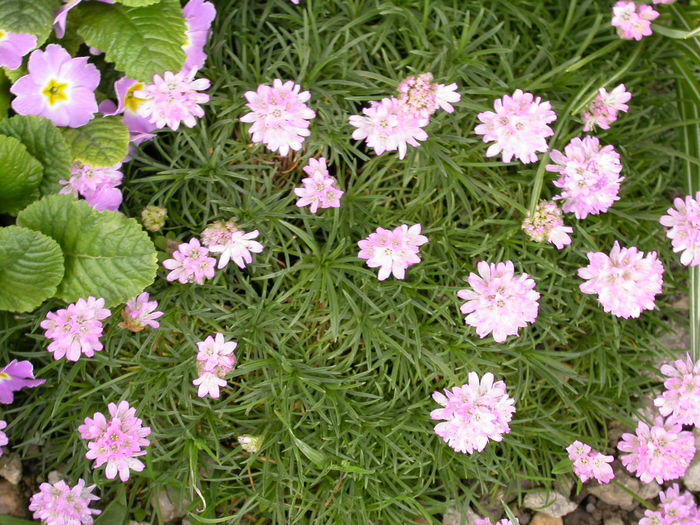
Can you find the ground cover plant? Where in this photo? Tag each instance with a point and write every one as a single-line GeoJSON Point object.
{"type": "Point", "coordinates": [328, 296]}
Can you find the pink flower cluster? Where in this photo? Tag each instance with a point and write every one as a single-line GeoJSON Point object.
{"type": "Point", "coordinates": [422, 97]}
{"type": "Point", "coordinates": [279, 115]}
{"type": "Point", "coordinates": [3, 437]}
{"type": "Point", "coordinates": [320, 189]}
{"type": "Point", "coordinates": [604, 109]}
{"type": "Point", "coordinates": [98, 186]}
{"type": "Point", "coordinates": [659, 452]}
{"type": "Point", "coordinates": [140, 313]}
{"type": "Point", "coordinates": [392, 251]}
{"type": "Point", "coordinates": [546, 224]}
{"type": "Point", "coordinates": [626, 281]}
{"type": "Point", "coordinates": [519, 127]}
{"type": "Point", "coordinates": [589, 464]}
{"type": "Point", "coordinates": [14, 377]}
{"type": "Point", "coordinates": [499, 302]}
{"type": "Point", "coordinates": [680, 402]}
{"type": "Point", "coordinates": [632, 20]}
{"type": "Point", "coordinates": [675, 509]}
{"type": "Point", "coordinates": [473, 413]}
{"type": "Point", "coordinates": [589, 176]}
{"type": "Point", "coordinates": [190, 263]}
{"type": "Point", "coordinates": [117, 441]}
{"type": "Point", "coordinates": [60, 504]}
{"type": "Point", "coordinates": [231, 243]}
{"type": "Point", "coordinates": [683, 223]}
{"type": "Point", "coordinates": [77, 329]}
{"type": "Point", "coordinates": [215, 360]}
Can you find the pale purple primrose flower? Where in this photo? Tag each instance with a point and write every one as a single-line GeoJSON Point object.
{"type": "Point", "coordinates": [215, 360]}
{"type": "Point", "coordinates": [60, 504]}
{"type": "Point", "coordinates": [98, 186]}
{"type": "Point", "coordinates": [59, 23]}
{"type": "Point", "coordinates": [140, 128]}
{"type": "Point", "coordinates": [140, 313]}
{"type": "Point", "coordinates": [199, 15]}
{"type": "Point", "coordinates": [58, 87]}
{"type": "Point", "coordinates": [231, 243]}
{"type": "Point", "coordinates": [392, 251]}
{"type": "Point", "coordinates": [13, 47]}
{"type": "Point", "coordinates": [14, 377]}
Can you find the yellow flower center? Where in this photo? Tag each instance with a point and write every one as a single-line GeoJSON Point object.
{"type": "Point", "coordinates": [132, 102]}
{"type": "Point", "coordinates": [55, 92]}
{"type": "Point", "coordinates": [3, 35]}
{"type": "Point", "coordinates": [4, 377]}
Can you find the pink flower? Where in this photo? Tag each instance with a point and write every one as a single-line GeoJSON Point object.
{"type": "Point", "coordinates": [589, 176]}
{"type": "Point", "coordinates": [76, 329]}
{"type": "Point", "coordinates": [681, 399]}
{"type": "Point", "coordinates": [13, 46]}
{"type": "Point", "coordinates": [499, 303]}
{"type": "Point", "coordinates": [190, 263]}
{"type": "Point", "coordinates": [675, 509]}
{"type": "Point", "coordinates": [215, 360]}
{"type": "Point", "coordinates": [473, 413]}
{"type": "Point", "coordinates": [231, 243]}
{"type": "Point", "coordinates": [97, 185]}
{"type": "Point", "coordinates": [546, 224]}
{"type": "Point", "coordinates": [421, 97]}
{"type": "Point", "coordinates": [3, 437]}
{"type": "Point", "coordinates": [518, 128]}
{"type": "Point", "coordinates": [589, 464]}
{"type": "Point", "coordinates": [683, 225]}
{"type": "Point", "coordinates": [661, 452]}
{"type": "Point", "coordinates": [117, 441]}
{"type": "Point", "coordinates": [320, 189]}
{"type": "Point", "coordinates": [392, 251]}
{"type": "Point", "coordinates": [58, 87]}
{"type": "Point", "coordinates": [60, 504]}
{"type": "Point", "coordinates": [605, 107]}
{"type": "Point", "coordinates": [279, 115]}
{"type": "Point", "coordinates": [140, 313]}
{"type": "Point", "coordinates": [633, 21]}
{"type": "Point", "coordinates": [626, 281]}
{"type": "Point", "coordinates": [129, 106]}
{"type": "Point", "coordinates": [14, 377]}
{"type": "Point", "coordinates": [504, 521]}
{"type": "Point", "coordinates": [173, 99]}
{"type": "Point", "coordinates": [199, 15]}
{"type": "Point", "coordinates": [387, 126]}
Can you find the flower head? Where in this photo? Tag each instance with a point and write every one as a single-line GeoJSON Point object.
{"type": "Point", "coordinates": [3, 437]}
{"type": "Point", "coordinates": [605, 107]}
{"type": "Point", "coordinates": [117, 441]}
{"type": "Point", "coordinates": [632, 20]}
{"type": "Point", "coordinates": [626, 281]}
{"type": "Point", "coordinates": [231, 243]}
{"type": "Point", "coordinates": [590, 464]}
{"type": "Point", "coordinates": [199, 15]}
{"type": "Point", "coordinates": [661, 452]}
{"type": "Point", "coordinates": [589, 176]}
{"type": "Point", "coordinates": [98, 186]}
{"type": "Point", "coordinates": [387, 126]}
{"type": "Point", "coordinates": [153, 218]}
{"type": "Point", "coordinates": [60, 504]}
{"type": "Point", "coordinates": [77, 329]}
{"type": "Point", "coordinates": [675, 509]}
{"type": "Point", "coordinates": [518, 127]}
{"type": "Point", "coordinates": [279, 115]}
{"type": "Point", "coordinates": [422, 97]}
{"type": "Point", "coordinates": [473, 413]}
{"type": "Point", "coordinates": [140, 313]}
{"type": "Point", "coordinates": [58, 87]}
{"type": "Point", "coordinates": [250, 444]}
{"type": "Point", "coordinates": [215, 359]}
{"type": "Point", "coordinates": [392, 251]}
{"type": "Point", "coordinates": [683, 223]}
{"type": "Point", "coordinates": [499, 302]}
{"type": "Point", "coordinates": [13, 46]}
{"type": "Point", "coordinates": [173, 99]}
{"type": "Point", "coordinates": [546, 224]}
{"type": "Point", "coordinates": [680, 402]}
{"type": "Point", "coordinates": [320, 189]}
{"type": "Point", "coordinates": [14, 377]}
{"type": "Point", "coordinates": [190, 263]}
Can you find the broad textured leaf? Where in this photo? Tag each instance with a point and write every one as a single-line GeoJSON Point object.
{"type": "Point", "coordinates": [137, 3]}
{"type": "Point", "coordinates": [29, 16]}
{"type": "Point", "coordinates": [20, 175]}
{"type": "Point", "coordinates": [4, 94]}
{"type": "Point", "coordinates": [101, 143]}
{"type": "Point", "coordinates": [31, 267]}
{"type": "Point", "coordinates": [140, 41]}
{"type": "Point", "coordinates": [46, 144]}
{"type": "Point", "coordinates": [106, 254]}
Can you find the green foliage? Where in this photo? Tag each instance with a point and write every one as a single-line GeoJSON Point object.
{"type": "Point", "coordinates": [106, 254]}
{"type": "Point", "coordinates": [140, 41]}
{"type": "Point", "coordinates": [20, 176]}
{"type": "Point", "coordinates": [46, 144]}
{"type": "Point", "coordinates": [137, 3]}
{"type": "Point", "coordinates": [101, 143]}
{"type": "Point", "coordinates": [31, 266]}
{"type": "Point", "coordinates": [29, 16]}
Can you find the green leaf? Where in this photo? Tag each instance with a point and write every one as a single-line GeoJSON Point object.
{"type": "Point", "coordinates": [106, 254]}
{"type": "Point", "coordinates": [140, 41]}
{"type": "Point", "coordinates": [29, 16]}
{"type": "Point", "coordinates": [101, 143]}
{"type": "Point", "coordinates": [9, 520]}
{"type": "Point", "coordinates": [31, 267]}
{"type": "Point", "coordinates": [46, 144]}
{"type": "Point", "coordinates": [116, 512]}
{"type": "Point", "coordinates": [20, 175]}
{"type": "Point", "coordinates": [563, 467]}
{"type": "Point", "coordinates": [137, 3]}
{"type": "Point", "coordinates": [4, 94]}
